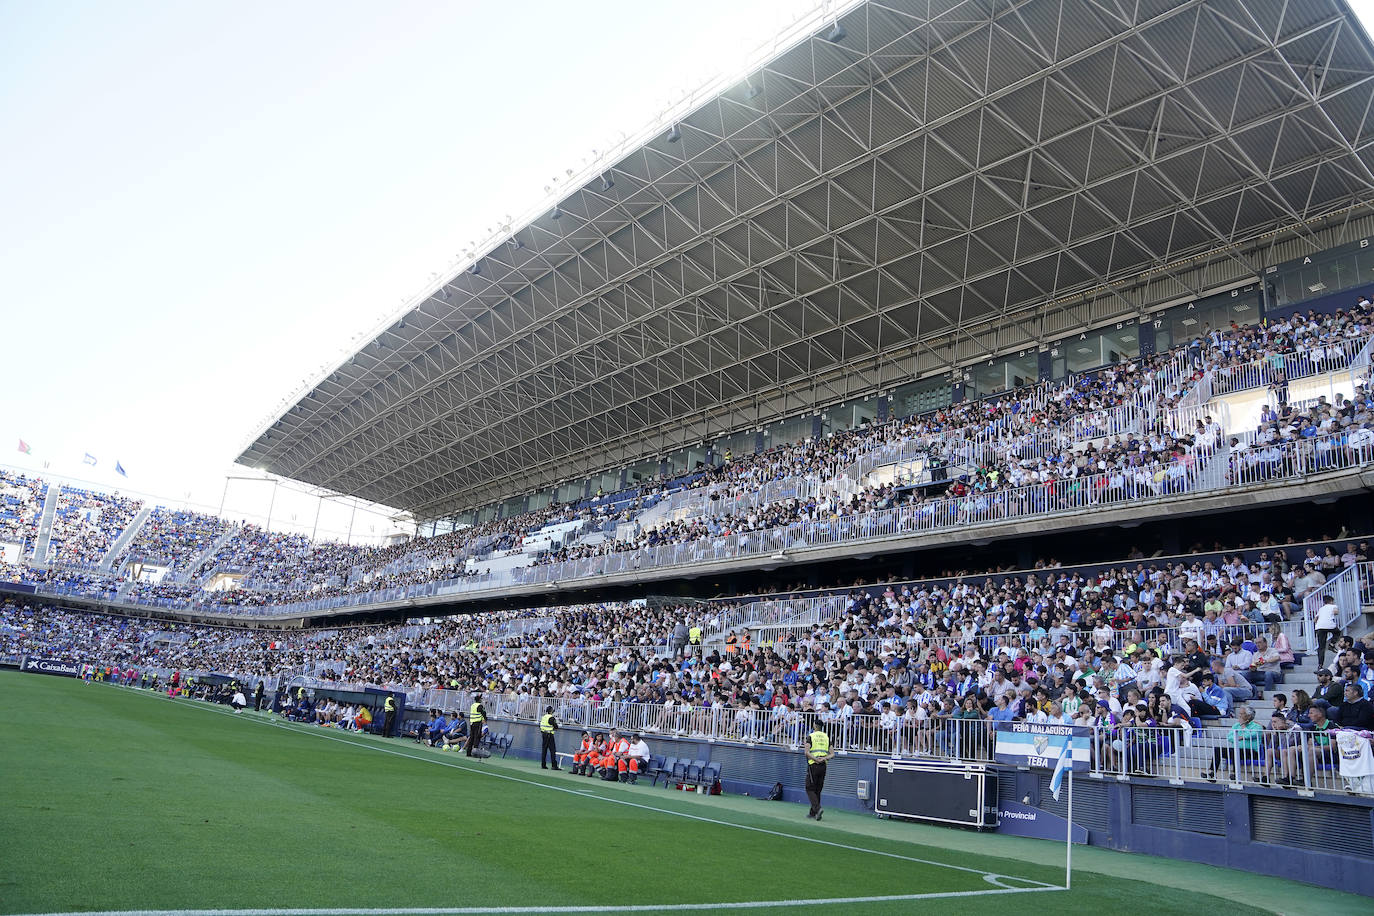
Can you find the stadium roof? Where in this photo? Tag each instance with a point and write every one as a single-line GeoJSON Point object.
{"type": "Point", "coordinates": [947, 181]}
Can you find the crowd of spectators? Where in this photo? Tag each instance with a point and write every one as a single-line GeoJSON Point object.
{"type": "Point", "coordinates": [1051, 435]}
{"type": "Point", "coordinates": [21, 505]}
{"type": "Point", "coordinates": [87, 524]}
{"type": "Point", "coordinates": [919, 668]}
{"type": "Point", "coordinates": [175, 537]}
{"type": "Point", "coordinates": [1110, 435]}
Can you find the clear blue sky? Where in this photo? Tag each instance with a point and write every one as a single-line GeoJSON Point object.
{"type": "Point", "coordinates": [205, 202]}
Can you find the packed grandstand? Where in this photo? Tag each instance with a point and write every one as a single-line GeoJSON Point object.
{"type": "Point", "coordinates": [1127, 432]}
{"type": "Point", "coordinates": [900, 593]}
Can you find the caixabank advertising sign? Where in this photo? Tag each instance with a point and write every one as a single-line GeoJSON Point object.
{"type": "Point", "coordinates": [62, 667]}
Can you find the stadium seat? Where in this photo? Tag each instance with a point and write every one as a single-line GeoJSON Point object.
{"type": "Point", "coordinates": [709, 774]}
{"type": "Point", "coordinates": [654, 764]}
{"type": "Point", "coordinates": [693, 772]}
{"type": "Point", "coordinates": [665, 769]}
{"type": "Point", "coordinates": [678, 773]}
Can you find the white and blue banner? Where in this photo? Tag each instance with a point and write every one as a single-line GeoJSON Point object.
{"type": "Point", "coordinates": [1057, 747]}
{"type": "Point", "coordinates": [63, 667]}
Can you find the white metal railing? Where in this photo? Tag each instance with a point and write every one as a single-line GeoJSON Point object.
{"type": "Point", "coordinates": [1200, 393]}
{"type": "Point", "coordinates": [1297, 757]}
{"type": "Point", "coordinates": [1190, 475]}
{"type": "Point", "coordinates": [1360, 364]}
{"type": "Point", "coordinates": [1167, 640]}
{"type": "Point", "coordinates": [1277, 368]}
{"type": "Point", "coordinates": [1347, 589]}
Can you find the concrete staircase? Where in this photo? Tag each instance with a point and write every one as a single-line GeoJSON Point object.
{"type": "Point", "coordinates": [126, 537]}
{"type": "Point", "coordinates": [183, 575]}
{"type": "Point", "coordinates": [44, 537]}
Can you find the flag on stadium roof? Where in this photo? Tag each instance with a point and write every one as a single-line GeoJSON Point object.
{"type": "Point", "coordinates": [25, 448]}
{"type": "Point", "coordinates": [89, 459]}
{"type": "Point", "coordinates": [119, 469]}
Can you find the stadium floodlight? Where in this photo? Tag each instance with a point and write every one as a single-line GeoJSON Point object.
{"type": "Point", "coordinates": [557, 213]}
{"type": "Point", "coordinates": [751, 91]}
{"type": "Point", "coordinates": [607, 182]}
{"type": "Point", "coordinates": [475, 269]}
{"type": "Point", "coordinates": [674, 135]}
{"type": "Point", "coordinates": [516, 243]}
{"type": "Point", "coordinates": [836, 34]}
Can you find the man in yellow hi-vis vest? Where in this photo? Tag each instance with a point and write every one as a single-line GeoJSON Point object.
{"type": "Point", "coordinates": [818, 751]}
{"type": "Point", "coordinates": [477, 717]}
{"type": "Point", "coordinates": [548, 729]}
{"type": "Point", "coordinates": [389, 723]}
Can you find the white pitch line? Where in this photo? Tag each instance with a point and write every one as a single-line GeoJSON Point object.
{"type": "Point", "coordinates": [291, 727]}
{"type": "Point", "coordinates": [623, 908]}
{"type": "Point", "coordinates": [991, 877]}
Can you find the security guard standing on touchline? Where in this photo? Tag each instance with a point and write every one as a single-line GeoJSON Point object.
{"type": "Point", "coordinates": [548, 728]}
{"type": "Point", "coordinates": [477, 717]}
{"type": "Point", "coordinates": [818, 751]}
{"type": "Point", "coordinates": [390, 722]}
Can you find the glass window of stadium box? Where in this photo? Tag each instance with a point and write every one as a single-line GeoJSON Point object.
{"type": "Point", "coordinates": [569, 492]}
{"type": "Point", "coordinates": [985, 378]}
{"type": "Point", "coordinates": [540, 500]}
{"type": "Point", "coordinates": [741, 443]}
{"type": "Point", "coordinates": [1322, 274]}
{"type": "Point", "coordinates": [685, 460]}
{"type": "Point", "coordinates": [1001, 374]}
{"type": "Point", "coordinates": [1094, 350]}
{"type": "Point", "coordinates": [924, 396]}
{"type": "Point", "coordinates": [1184, 323]}
{"type": "Point", "coordinates": [785, 432]}
{"type": "Point", "coordinates": [850, 414]}
{"type": "Point", "coordinates": [1023, 370]}
{"type": "Point", "coordinates": [606, 482]}
{"type": "Point", "coordinates": [641, 472]}
{"type": "Point", "coordinates": [512, 507]}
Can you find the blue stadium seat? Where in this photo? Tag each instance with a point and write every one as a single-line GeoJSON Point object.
{"type": "Point", "coordinates": [678, 773]}
{"type": "Point", "coordinates": [665, 769]}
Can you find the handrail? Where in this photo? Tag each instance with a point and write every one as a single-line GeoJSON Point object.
{"type": "Point", "coordinates": [1285, 461]}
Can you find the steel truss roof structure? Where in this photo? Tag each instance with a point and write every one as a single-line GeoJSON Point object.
{"type": "Point", "coordinates": [949, 181]}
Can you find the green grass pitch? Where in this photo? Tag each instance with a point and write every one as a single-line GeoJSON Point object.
{"type": "Point", "coordinates": [117, 800]}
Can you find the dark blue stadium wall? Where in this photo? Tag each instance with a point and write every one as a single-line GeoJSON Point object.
{"type": "Point", "coordinates": [1328, 840]}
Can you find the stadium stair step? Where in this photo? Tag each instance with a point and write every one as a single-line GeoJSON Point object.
{"type": "Point", "coordinates": [183, 576]}
{"type": "Point", "coordinates": [44, 538]}
{"type": "Point", "coordinates": [126, 537]}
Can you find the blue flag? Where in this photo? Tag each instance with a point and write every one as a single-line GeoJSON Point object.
{"type": "Point", "coordinates": [119, 469]}
{"type": "Point", "coordinates": [89, 459]}
{"type": "Point", "coordinates": [1061, 766]}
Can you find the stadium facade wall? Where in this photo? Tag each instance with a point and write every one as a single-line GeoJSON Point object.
{"type": "Point", "coordinates": [1325, 840]}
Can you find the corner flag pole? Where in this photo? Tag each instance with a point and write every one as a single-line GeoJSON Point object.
{"type": "Point", "coordinates": [1068, 850]}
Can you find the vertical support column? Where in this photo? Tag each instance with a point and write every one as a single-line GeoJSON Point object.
{"type": "Point", "coordinates": [1045, 365]}
{"type": "Point", "coordinates": [1145, 332]}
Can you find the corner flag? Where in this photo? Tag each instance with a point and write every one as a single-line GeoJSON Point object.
{"type": "Point", "coordinates": [1064, 763]}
